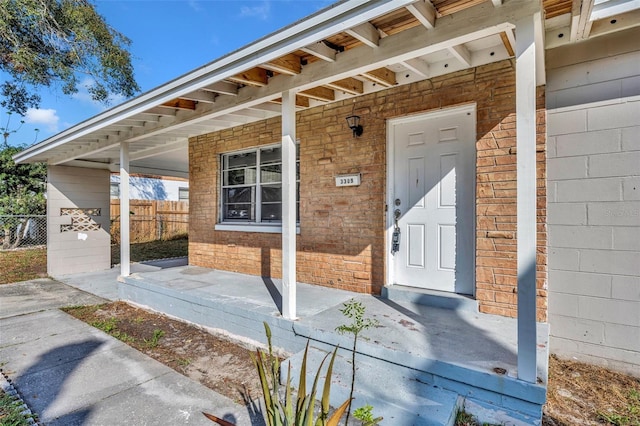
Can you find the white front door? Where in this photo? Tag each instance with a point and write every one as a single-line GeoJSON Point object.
{"type": "Point", "coordinates": [432, 190]}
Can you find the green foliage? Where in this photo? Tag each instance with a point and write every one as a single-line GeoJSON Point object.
{"type": "Point", "coordinates": [155, 339]}
{"type": "Point", "coordinates": [46, 42]}
{"type": "Point", "coordinates": [22, 186]}
{"type": "Point", "coordinates": [287, 412]}
{"type": "Point", "coordinates": [365, 415]}
{"type": "Point", "coordinates": [631, 416]}
{"type": "Point", "coordinates": [355, 311]}
{"type": "Point", "coordinates": [108, 325]}
{"type": "Point", "coordinates": [12, 411]}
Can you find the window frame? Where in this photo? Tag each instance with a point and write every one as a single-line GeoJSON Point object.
{"type": "Point", "coordinates": [257, 225]}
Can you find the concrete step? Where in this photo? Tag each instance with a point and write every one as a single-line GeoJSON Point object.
{"type": "Point", "coordinates": [436, 299]}
{"type": "Point", "coordinates": [395, 392]}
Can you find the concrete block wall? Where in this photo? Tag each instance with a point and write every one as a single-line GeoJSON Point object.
{"type": "Point", "coordinates": [594, 201]}
{"type": "Point", "coordinates": [80, 250]}
{"type": "Point", "coordinates": [342, 241]}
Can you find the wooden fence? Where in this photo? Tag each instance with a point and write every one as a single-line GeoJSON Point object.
{"type": "Point", "coordinates": [152, 220]}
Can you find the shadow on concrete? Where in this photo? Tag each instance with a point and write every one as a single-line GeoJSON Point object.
{"type": "Point", "coordinates": [53, 368]}
{"type": "Point", "coordinates": [274, 292]}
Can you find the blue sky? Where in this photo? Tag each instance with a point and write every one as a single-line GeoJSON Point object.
{"type": "Point", "coordinates": [169, 38]}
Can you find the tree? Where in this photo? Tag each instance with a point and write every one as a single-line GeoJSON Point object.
{"type": "Point", "coordinates": [47, 42]}
{"type": "Point", "coordinates": [22, 189]}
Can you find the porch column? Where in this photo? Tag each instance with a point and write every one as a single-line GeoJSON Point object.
{"type": "Point", "coordinates": [288, 205]}
{"type": "Point", "coordinates": [124, 210]}
{"type": "Point", "coordinates": [526, 195]}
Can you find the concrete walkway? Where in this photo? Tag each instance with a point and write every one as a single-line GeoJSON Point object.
{"type": "Point", "coordinates": [70, 373]}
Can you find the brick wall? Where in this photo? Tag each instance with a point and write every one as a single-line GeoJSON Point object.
{"type": "Point", "coordinates": [342, 241]}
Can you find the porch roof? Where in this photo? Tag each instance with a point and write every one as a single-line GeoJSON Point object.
{"type": "Point", "coordinates": [351, 48]}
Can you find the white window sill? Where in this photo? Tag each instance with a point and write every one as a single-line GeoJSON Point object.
{"type": "Point", "coordinates": [252, 227]}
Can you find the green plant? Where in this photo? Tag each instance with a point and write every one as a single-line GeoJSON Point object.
{"type": "Point", "coordinates": [12, 411]}
{"type": "Point", "coordinates": [355, 311]}
{"type": "Point", "coordinates": [183, 362]}
{"type": "Point", "coordinates": [365, 415]}
{"type": "Point", "coordinates": [288, 412]}
{"type": "Point", "coordinates": [108, 325]}
{"type": "Point", "coordinates": [155, 339]}
{"type": "Point", "coordinates": [631, 416]}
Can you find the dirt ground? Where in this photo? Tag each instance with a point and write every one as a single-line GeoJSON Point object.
{"type": "Point", "coordinates": [216, 362]}
{"type": "Point", "coordinates": [578, 394]}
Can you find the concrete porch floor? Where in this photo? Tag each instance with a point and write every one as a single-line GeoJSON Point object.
{"type": "Point", "coordinates": [455, 349]}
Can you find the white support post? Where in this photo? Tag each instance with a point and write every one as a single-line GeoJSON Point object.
{"type": "Point", "coordinates": [289, 205]}
{"type": "Point", "coordinates": [526, 196]}
{"type": "Point", "coordinates": [124, 211]}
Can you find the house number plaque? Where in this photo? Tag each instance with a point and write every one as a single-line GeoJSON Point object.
{"type": "Point", "coordinates": [348, 180]}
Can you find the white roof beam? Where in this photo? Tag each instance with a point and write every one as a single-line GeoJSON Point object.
{"type": "Point", "coordinates": [417, 66]}
{"type": "Point", "coordinates": [200, 96]}
{"type": "Point", "coordinates": [318, 26]}
{"type": "Point", "coordinates": [366, 33]}
{"type": "Point", "coordinates": [623, 22]}
{"type": "Point", "coordinates": [170, 146]}
{"type": "Point", "coordinates": [409, 44]}
{"type": "Point", "coordinates": [608, 8]}
{"type": "Point", "coordinates": [496, 3]}
{"type": "Point", "coordinates": [320, 50]}
{"type": "Point", "coordinates": [223, 88]}
{"type": "Point", "coordinates": [462, 54]}
{"type": "Point", "coordinates": [162, 111]}
{"type": "Point", "coordinates": [424, 12]}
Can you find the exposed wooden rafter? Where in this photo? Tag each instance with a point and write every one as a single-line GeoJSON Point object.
{"type": "Point", "coordinates": [425, 12]}
{"type": "Point", "coordinates": [288, 64]}
{"type": "Point", "coordinates": [383, 76]}
{"type": "Point", "coordinates": [323, 94]}
{"type": "Point", "coordinates": [321, 50]}
{"type": "Point", "coordinates": [253, 77]}
{"type": "Point", "coordinates": [180, 104]}
{"type": "Point", "coordinates": [366, 33]}
{"type": "Point", "coordinates": [301, 101]}
{"type": "Point", "coordinates": [509, 41]}
{"type": "Point", "coordinates": [348, 85]}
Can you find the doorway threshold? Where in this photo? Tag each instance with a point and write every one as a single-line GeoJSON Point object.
{"type": "Point", "coordinates": [433, 298]}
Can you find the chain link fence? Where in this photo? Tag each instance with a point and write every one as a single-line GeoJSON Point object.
{"type": "Point", "coordinates": [21, 231]}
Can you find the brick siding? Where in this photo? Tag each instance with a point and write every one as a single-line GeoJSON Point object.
{"type": "Point", "coordinates": [342, 240]}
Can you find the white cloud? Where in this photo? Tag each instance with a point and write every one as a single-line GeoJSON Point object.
{"type": "Point", "coordinates": [261, 11]}
{"type": "Point", "coordinates": [195, 6]}
{"type": "Point", "coordinates": [45, 117]}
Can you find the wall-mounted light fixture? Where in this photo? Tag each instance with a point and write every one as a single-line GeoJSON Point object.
{"type": "Point", "coordinates": [354, 124]}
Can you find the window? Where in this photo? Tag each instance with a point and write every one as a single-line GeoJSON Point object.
{"type": "Point", "coordinates": [115, 190]}
{"type": "Point", "coordinates": [183, 194]}
{"type": "Point", "coordinates": [252, 186]}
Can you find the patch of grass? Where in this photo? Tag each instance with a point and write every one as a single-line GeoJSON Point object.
{"type": "Point", "coordinates": [11, 411]}
{"type": "Point", "coordinates": [81, 310]}
{"type": "Point", "coordinates": [153, 250]}
{"type": "Point", "coordinates": [183, 362]}
{"type": "Point", "coordinates": [155, 339]}
{"type": "Point", "coordinates": [108, 326]}
{"type": "Point", "coordinates": [630, 415]}
{"type": "Point", "coordinates": [23, 265]}
{"type": "Point", "coordinates": [464, 418]}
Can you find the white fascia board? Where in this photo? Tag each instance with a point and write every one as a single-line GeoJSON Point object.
{"type": "Point", "coordinates": [323, 24]}
{"type": "Point", "coordinates": [606, 9]}
{"type": "Point", "coordinates": [471, 24]}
